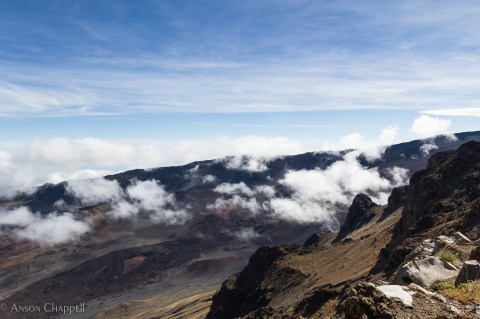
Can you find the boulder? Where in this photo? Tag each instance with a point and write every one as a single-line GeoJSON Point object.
{"type": "Point", "coordinates": [441, 242]}
{"type": "Point", "coordinates": [364, 300]}
{"type": "Point", "coordinates": [424, 272]}
{"type": "Point", "coordinates": [462, 239]}
{"type": "Point", "coordinates": [475, 254]}
{"type": "Point", "coordinates": [397, 292]}
{"type": "Point", "coordinates": [425, 249]}
{"type": "Point", "coordinates": [470, 271]}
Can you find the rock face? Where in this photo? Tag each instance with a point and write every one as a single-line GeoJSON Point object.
{"type": "Point", "coordinates": [424, 272]}
{"type": "Point", "coordinates": [365, 301]}
{"type": "Point", "coordinates": [448, 188]}
{"type": "Point", "coordinates": [319, 238]}
{"type": "Point", "coordinates": [470, 271]}
{"type": "Point", "coordinates": [397, 199]}
{"type": "Point", "coordinates": [358, 214]}
{"type": "Point", "coordinates": [441, 199]}
{"type": "Point", "coordinates": [475, 254]}
{"type": "Point", "coordinates": [249, 290]}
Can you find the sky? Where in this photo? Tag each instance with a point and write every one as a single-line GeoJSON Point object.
{"type": "Point", "coordinates": [92, 87]}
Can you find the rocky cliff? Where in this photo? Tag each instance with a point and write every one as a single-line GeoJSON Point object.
{"type": "Point", "coordinates": [358, 214]}
{"type": "Point", "coordinates": [347, 278]}
{"type": "Point", "coordinates": [441, 199]}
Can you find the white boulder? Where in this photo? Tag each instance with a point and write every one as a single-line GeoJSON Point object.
{"type": "Point", "coordinates": [397, 292]}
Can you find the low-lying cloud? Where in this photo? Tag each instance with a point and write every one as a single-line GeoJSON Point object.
{"type": "Point", "coordinates": [94, 191]}
{"type": "Point", "coordinates": [246, 234]}
{"type": "Point", "coordinates": [58, 159]}
{"type": "Point", "coordinates": [246, 163]}
{"type": "Point", "coordinates": [318, 195]}
{"type": "Point", "coordinates": [141, 198]}
{"type": "Point", "coordinates": [238, 188]}
{"type": "Point", "coordinates": [151, 198]}
{"type": "Point", "coordinates": [148, 198]}
{"type": "Point", "coordinates": [52, 229]}
{"type": "Point", "coordinates": [236, 201]}
{"type": "Point", "coordinates": [53, 160]}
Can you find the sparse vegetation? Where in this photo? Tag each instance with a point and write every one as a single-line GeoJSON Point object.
{"type": "Point", "coordinates": [465, 293]}
{"type": "Point", "coordinates": [447, 255]}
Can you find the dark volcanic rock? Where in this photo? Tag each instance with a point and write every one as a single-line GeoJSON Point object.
{"type": "Point", "coordinates": [470, 271]}
{"type": "Point", "coordinates": [358, 214]}
{"type": "Point", "coordinates": [441, 199]}
{"type": "Point", "coordinates": [252, 288]}
{"type": "Point", "coordinates": [449, 186]}
{"type": "Point", "coordinates": [475, 254]}
{"type": "Point", "coordinates": [319, 237]}
{"type": "Point", "coordinates": [397, 199]}
{"type": "Point", "coordinates": [365, 301]}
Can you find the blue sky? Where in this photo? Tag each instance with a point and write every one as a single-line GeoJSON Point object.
{"type": "Point", "coordinates": [313, 72]}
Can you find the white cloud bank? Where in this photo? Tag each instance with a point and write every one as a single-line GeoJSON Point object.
{"type": "Point", "coordinates": [428, 126]}
{"type": "Point", "coordinates": [238, 188]}
{"type": "Point", "coordinates": [58, 159]}
{"type": "Point", "coordinates": [94, 191]}
{"type": "Point", "coordinates": [236, 201]}
{"type": "Point", "coordinates": [160, 206]}
{"type": "Point", "coordinates": [52, 229]}
{"type": "Point", "coordinates": [148, 198]}
{"type": "Point", "coordinates": [317, 195]}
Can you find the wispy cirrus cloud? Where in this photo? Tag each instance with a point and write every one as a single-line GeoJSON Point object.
{"type": "Point", "coordinates": [364, 83]}
{"type": "Point", "coordinates": [303, 56]}
{"type": "Point", "coordinates": [473, 112]}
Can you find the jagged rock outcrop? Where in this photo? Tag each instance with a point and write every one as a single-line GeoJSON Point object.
{"type": "Point", "coordinates": [397, 199]}
{"type": "Point", "coordinates": [447, 190]}
{"type": "Point", "coordinates": [441, 199]}
{"type": "Point", "coordinates": [319, 238]}
{"type": "Point", "coordinates": [254, 286]}
{"type": "Point", "coordinates": [358, 214]}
